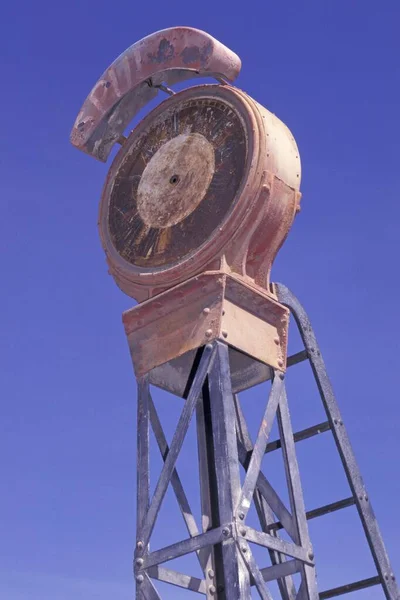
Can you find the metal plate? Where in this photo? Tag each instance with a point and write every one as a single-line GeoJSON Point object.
{"type": "Point", "coordinates": [168, 56]}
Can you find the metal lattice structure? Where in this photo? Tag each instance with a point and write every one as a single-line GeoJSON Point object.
{"type": "Point", "coordinates": [196, 204]}
{"type": "Point", "coordinates": [224, 550]}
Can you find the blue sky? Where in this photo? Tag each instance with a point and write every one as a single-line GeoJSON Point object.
{"type": "Point", "coordinates": [330, 69]}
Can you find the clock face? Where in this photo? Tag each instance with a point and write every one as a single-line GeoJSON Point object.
{"type": "Point", "coordinates": [177, 181]}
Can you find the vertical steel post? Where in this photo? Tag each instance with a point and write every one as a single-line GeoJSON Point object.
{"type": "Point", "coordinates": [236, 577]}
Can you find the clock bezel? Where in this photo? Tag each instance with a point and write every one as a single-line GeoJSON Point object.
{"type": "Point", "coordinates": [126, 273]}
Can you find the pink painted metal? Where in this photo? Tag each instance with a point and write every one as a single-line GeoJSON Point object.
{"type": "Point", "coordinates": [167, 56]}
{"type": "Point", "coordinates": [248, 239]}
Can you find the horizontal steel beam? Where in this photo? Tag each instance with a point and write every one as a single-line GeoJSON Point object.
{"type": "Point", "coordinates": [210, 538]}
{"type": "Point", "coordinates": [350, 587]}
{"type": "Point", "coordinates": [301, 435]}
{"type": "Point", "coordinates": [318, 512]}
{"type": "Point", "coordinates": [297, 358]}
{"type": "Point", "coordinates": [188, 582]}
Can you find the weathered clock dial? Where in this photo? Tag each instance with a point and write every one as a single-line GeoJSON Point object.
{"type": "Point", "coordinates": [177, 180]}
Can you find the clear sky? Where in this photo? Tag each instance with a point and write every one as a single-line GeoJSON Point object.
{"type": "Point", "coordinates": [330, 69]}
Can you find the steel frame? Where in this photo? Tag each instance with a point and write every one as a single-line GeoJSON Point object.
{"type": "Point", "coordinates": [222, 543]}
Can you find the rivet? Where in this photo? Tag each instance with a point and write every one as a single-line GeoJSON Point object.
{"type": "Point", "coordinates": [209, 347]}
{"type": "Point", "coordinates": [212, 589]}
{"type": "Point", "coordinates": [340, 422]}
{"type": "Point", "coordinates": [140, 578]}
{"type": "Point", "coordinates": [139, 545]}
{"type": "Point", "coordinates": [366, 498]}
{"type": "Point", "coordinates": [311, 555]}
{"type": "Point", "coordinates": [206, 310]}
{"type": "Point", "coordinates": [276, 340]}
{"type": "Point", "coordinates": [386, 576]}
{"type": "Point", "coordinates": [392, 576]}
{"type": "Point", "coordinates": [335, 421]}
{"type": "Point", "coordinates": [280, 363]}
{"type": "Point", "coordinates": [211, 573]}
{"type": "Point", "coordinates": [223, 313]}
{"type": "Point", "coordinates": [282, 376]}
{"type": "Point", "coordinates": [244, 549]}
{"type": "Point", "coordinates": [225, 531]}
{"type": "Point", "coordinates": [209, 332]}
{"type": "Point", "coordinates": [225, 333]}
{"type": "Point", "coordinates": [241, 516]}
{"type": "Point", "coordinates": [243, 532]}
{"type": "Point", "coordinates": [139, 562]}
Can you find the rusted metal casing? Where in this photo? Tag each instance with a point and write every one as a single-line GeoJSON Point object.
{"type": "Point", "coordinates": [167, 329]}
{"type": "Point", "coordinates": [220, 289]}
{"type": "Point", "coordinates": [247, 241]}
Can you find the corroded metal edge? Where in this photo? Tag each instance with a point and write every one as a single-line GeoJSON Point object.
{"type": "Point", "coordinates": [207, 307]}
{"type": "Point", "coordinates": [167, 56]}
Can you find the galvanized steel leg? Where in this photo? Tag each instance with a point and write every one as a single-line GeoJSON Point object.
{"type": "Point", "coordinates": [143, 478]}
{"type": "Point", "coordinates": [214, 573]}
{"type": "Point", "coordinates": [308, 588]}
{"type": "Point", "coordinates": [349, 462]}
{"type": "Point", "coordinates": [236, 576]}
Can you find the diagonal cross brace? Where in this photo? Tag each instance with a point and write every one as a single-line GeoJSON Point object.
{"type": "Point", "coordinates": [265, 509]}
{"type": "Point", "coordinates": [257, 455]}
{"type": "Point", "coordinates": [148, 525]}
{"type": "Point", "coordinates": [177, 486]}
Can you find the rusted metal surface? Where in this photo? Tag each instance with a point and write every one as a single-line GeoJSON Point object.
{"type": "Point", "coordinates": [238, 222]}
{"type": "Point", "coordinates": [164, 57]}
{"type": "Point", "coordinates": [175, 181]}
{"type": "Point", "coordinates": [210, 306]}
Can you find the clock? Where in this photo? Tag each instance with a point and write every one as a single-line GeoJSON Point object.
{"type": "Point", "coordinates": [208, 180]}
{"type": "Point", "coordinates": [176, 180]}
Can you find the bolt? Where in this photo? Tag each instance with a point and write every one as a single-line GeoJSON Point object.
{"type": "Point", "coordinates": [241, 516]}
{"type": "Point", "coordinates": [276, 340]}
{"type": "Point", "coordinates": [243, 549]}
{"type": "Point", "coordinates": [211, 573]}
{"type": "Point", "coordinates": [206, 310]}
{"type": "Point", "coordinates": [243, 532]}
{"type": "Point", "coordinates": [311, 555]}
{"type": "Point", "coordinates": [282, 376]}
{"type": "Point", "coordinates": [209, 332]}
{"type": "Point", "coordinates": [140, 578]}
{"type": "Point", "coordinates": [139, 562]}
{"type": "Point", "coordinates": [212, 589]}
{"type": "Point", "coordinates": [139, 545]}
{"type": "Point", "coordinates": [224, 333]}
{"type": "Point", "coordinates": [225, 531]}
{"type": "Point", "coordinates": [280, 363]}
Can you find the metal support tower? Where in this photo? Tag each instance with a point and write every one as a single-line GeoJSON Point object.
{"type": "Point", "coordinates": [223, 542]}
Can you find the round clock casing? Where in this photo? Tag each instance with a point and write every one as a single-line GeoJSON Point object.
{"type": "Point", "coordinates": [208, 180]}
